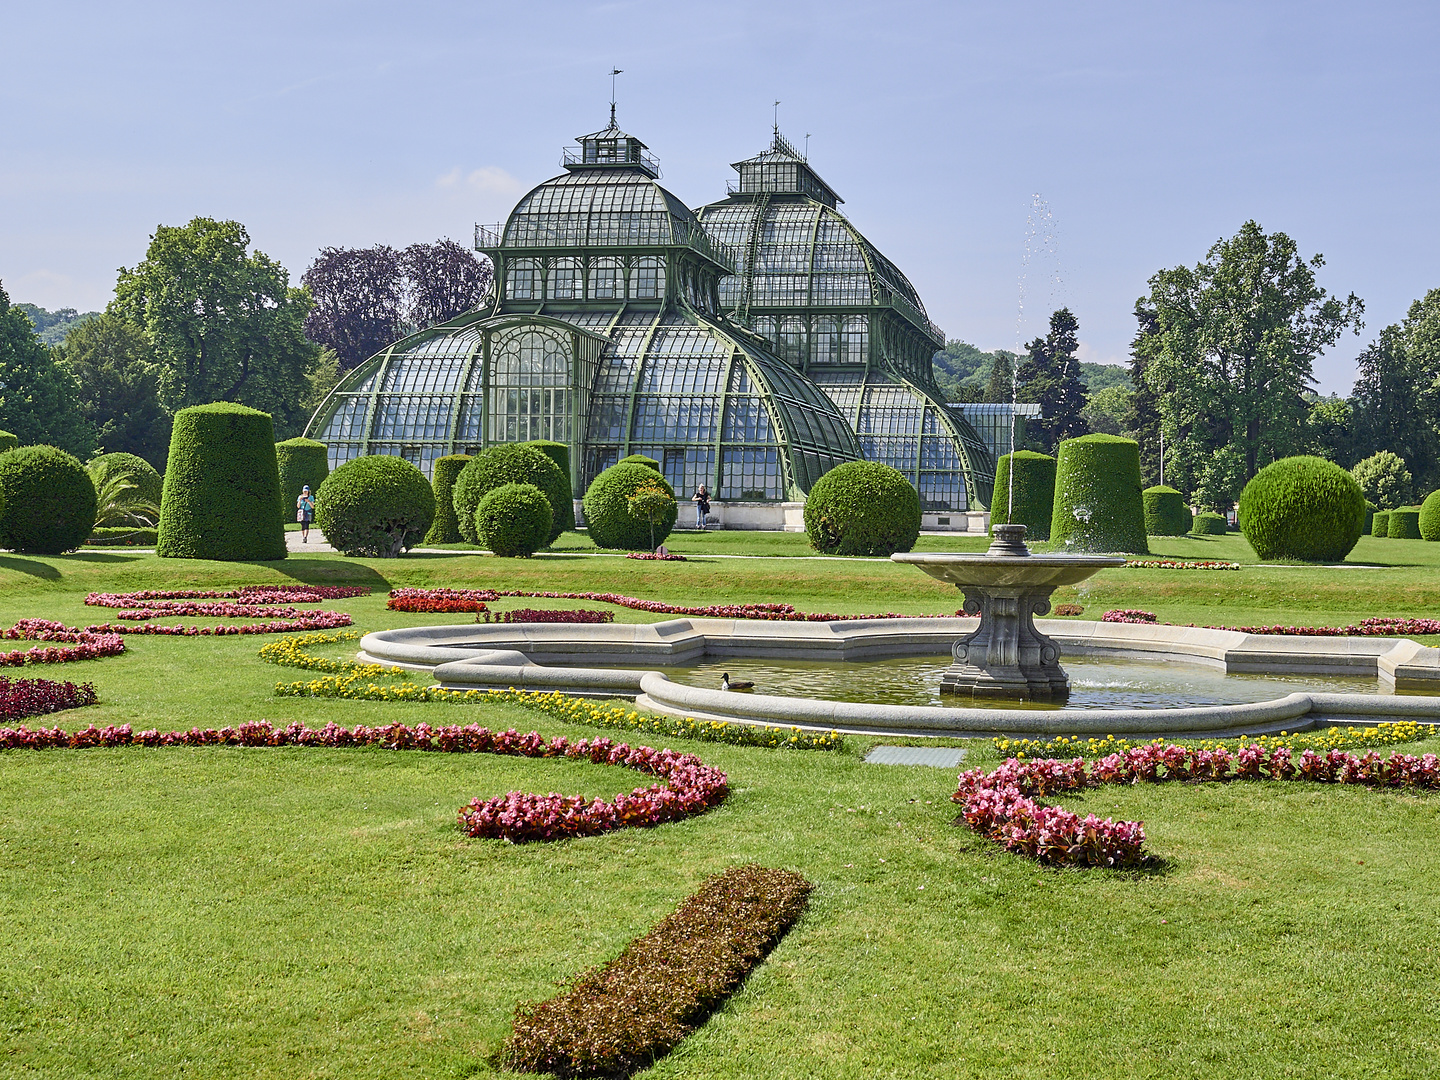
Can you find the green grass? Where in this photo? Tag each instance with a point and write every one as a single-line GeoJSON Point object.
{"type": "Point", "coordinates": [315, 913]}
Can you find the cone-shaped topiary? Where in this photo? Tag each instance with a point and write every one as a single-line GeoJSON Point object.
{"type": "Point", "coordinates": [640, 459]}
{"type": "Point", "coordinates": [1430, 517]}
{"type": "Point", "coordinates": [607, 508]}
{"type": "Point", "coordinates": [47, 502]}
{"type": "Point", "coordinates": [375, 505]}
{"type": "Point", "coordinates": [1302, 508]}
{"type": "Point", "coordinates": [1165, 512]}
{"type": "Point", "coordinates": [1380, 523]}
{"type": "Point", "coordinates": [560, 454]}
{"type": "Point", "coordinates": [1034, 493]}
{"type": "Point", "coordinates": [1405, 523]}
{"type": "Point", "coordinates": [135, 469]}
{"type": "Point", "coordinates": [8, 441]}
{"type": "Point", "coordinates": [222, 486]}
{"type": "Point", "coordinates": [1098, 504]}
{"type": "Point", "coordinates": [862, 508]}
{"type": "Point", "coordinates": [509, 463]}
{"type": "Point", "coordinates": [1209, 523]}
{"type": "Point", "coordinates": [445, 529]}
{"type": "Point", "coordinates": [513, 520]}
{"type": "Point", "coordinates": [301, 462]}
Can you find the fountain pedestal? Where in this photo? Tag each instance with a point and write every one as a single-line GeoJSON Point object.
{"type": "Point", "coordinates": [1007, 587]}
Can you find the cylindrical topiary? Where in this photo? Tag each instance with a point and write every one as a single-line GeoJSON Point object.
{"type": "Point", "coordinates": [1209, 523]}
{"type": "Point", "coordinates": [607, 508]}
{"type": "Point", "coordinates": [862, 508]}
{"type": "Point", "coordinates": [301, 462]}
{"type": "Point", "coordinates": [47, 502]}
{"type": "Point", "coordinates": [1302, 508]}
{"type": "Point", "coordinates": [222, 486]}
{"type": "Point", "coordinates": [559, 453]}
{"type": "Point", "coordinates": [1405, 523]}
{"type": "Point", "coordinates": [640, 459]}
{"type": "Point", "coordinates": [1380, 523]}
{"type": "Point", "coordinates": [513, 520]}
{"type": "Point", "coordinates": [1430, 517]}
{"type": "Point", "coordinates": [1369, 523]}
{"type": "Point", "coordinates": [135, 469]}
{"type": "Point", "coordinates": [1034, 493]}
{"type": "Point", "coordinates": [510, 463]}
{"type": "Point", "coordinates": [445, 529]}
{"type": "Point", "coordinates": [1098, 504]}
{"type": "Point", "coordinates": [1165, 512]}
{"type": "Point", "coordinates": [8, 441]}
{"type": "Point", "coordinates": [375, 505]}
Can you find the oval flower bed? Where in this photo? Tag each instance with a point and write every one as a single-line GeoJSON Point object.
{"type": "Point", "coordinates": [246, 602]}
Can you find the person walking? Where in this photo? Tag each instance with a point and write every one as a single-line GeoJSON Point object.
{"type": "Point", "coordinates": [701, 499]}
{"type": "Point", "coordinates": [305, 512]}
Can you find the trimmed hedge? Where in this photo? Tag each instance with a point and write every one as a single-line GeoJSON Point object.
{"type": "Point", "coordinates": [862, 508]}
{"type": "Point", "coordinates": [1209, 523]}
{"type": "Point", "coordinates": [1034, 493]}
{"type": "Point", "coordinates": [510, 463]}
{"type": "Point", "coordinates": [1302, 508]}
{"type": "Point", "coordinates": [1430, 517]}
{"type": "Point", "coordinates": [1380, 523]}
{"type": "Point", "coordinates": [148, 484]}
{"type": "Point", "coordinates": [375, 505]}
{"type": "Point", "coordinates": [222, 486]}
{"type": "Point", "coordinates": [1098, 503]}
{"type": "Point", "coordinates": [47, 502]}
{"type": "Point", "coordinates": [560, 454]}
{"type": "Point", "coordinates": [301, 462]}
{"type": "Point", "coordinates": [120, 536]}
{"type": "Point", "coordinates": [640, 459]}
{"type": "Point", "coordinates": [1369, 524]}
{"type": "Point", "coordinates": [607, 507]}
{"type": "Point", "coordinates": [513, 520]}
{"type": "Point", "coordinates": [8, 441]}
{"type": "Point", "coordinates": [1165, 512]}
{"type": "Point", "coordinates": [1405, 523]}
{"type": "Point", "coordinates": [445, 529]}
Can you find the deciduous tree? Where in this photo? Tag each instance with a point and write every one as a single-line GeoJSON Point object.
{"type": "Point", "coordinates": [118, 390]}
{"type": "Point", "coordinates": [39, 400]}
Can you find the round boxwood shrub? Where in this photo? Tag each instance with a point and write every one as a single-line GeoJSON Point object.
{"type": "Point", "coordinates": [1405, 523]}
{"type": "Point", "coordinates": [445, 529]}
{"type": "Point", "coordinates": [640, 459]}
{"type": "Point", "coordinates": [1209, 523]}
{"type": "Point", "coordinates": [607, 507]}
{"type": "Point", "coordinates": [1430, 517]}
{"type": "Point", "coordinates": [1034, 493]}
{"type": "Point", "coordinates": [1380, 523]}
{"type": "Point", "coordinates": [862, 508]}
{"type": "Point", "coordinates": [510, 463]}
{"type": "Point", "coordinates": [514, 520]}
{"type": "Point", "coordinates": [301, 462]}
{"type": "Point", "coordinates": [135, 469]}
{"type": "Point", "coordinates": [222, 486]}
{"type": "Point", "coordinates": [47, 502]}
{"type": "Point", "coordinates": [1302, 508]}
{"type": "Point", "coordinates": [374, 505]}
{"type": "Point", "coordinates": [1165, 512]}
{"type": "Point", "coordinates": [8, 441]}
{"type": "Point", "coordinates": [1098, 505]}
{"type": "Point", "coordinates": [559, 453]}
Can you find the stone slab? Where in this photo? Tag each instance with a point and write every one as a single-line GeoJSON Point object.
{"type": "Point", "coordinates": [940, 757]}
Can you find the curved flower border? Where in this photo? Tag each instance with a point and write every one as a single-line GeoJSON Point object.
{"type": "Point", "coordinates": [248, 601]}
{"type": "Point", "coordinates": [88, 644]}
{"type": "Point", "coordinates": [462, 600]}
{"type": "Point", "coordinates": [1375, 626]}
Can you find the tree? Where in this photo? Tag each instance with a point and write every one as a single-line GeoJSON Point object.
{"type": "Point", "coordinates": [1396, 399]}
{"type": "Point", "coordinates": [39, 400]}
{"type": "Point", "coordinates": [222, 322]}
{"type": "Point", "coordinates": [118, 389]}
{"type": "Point", "coordinates": [1050, 376]}
{"type": "Point", "coordinates": [1384, 479]}
{"type": "Point", "coordinates": [1233, 355]}
{"type": "Point", "coordinates": [442, 280]}
{"type": "Point", "coordinates": [1107, 411]}
{"type": "Point", "coordinates": [52, 326]}
{"type": "Point", "coordinates": [1143, 420]}
{"type": "Point", "coordinates": [1328, 430]}
{"type": "Point", "coordinates": [1000, 387]}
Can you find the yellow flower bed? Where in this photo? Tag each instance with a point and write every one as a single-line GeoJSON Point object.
{"type": "Point", "coordinates": [290, 652]}
{"type": "Point", "coordinates": [1385, 733]}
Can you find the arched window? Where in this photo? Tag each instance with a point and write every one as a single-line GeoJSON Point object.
{"type": "Point", "coordinates": [606, 282]}
{"type": "Point", "coordinates": [522, 281]}
{"type": "Point", "coordinates": [563, 282]}
{"type": "Point", "coordinates": [826, 339]}
{"type": "Point", "coordinates": [647, 278]}
{"type": "Point", "coordinates": [854, 339]}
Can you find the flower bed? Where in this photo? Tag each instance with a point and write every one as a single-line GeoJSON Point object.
{"type": "Point", "coordinates": [1375, 626]}
{"type": "Point", "coordinates": [21, 699]}
{"type": "Point", "coordinates": [456, 600]}
{"type": "Point", "coordinates": [620, 1016]}
{"type": "Point", "coordinates": [1180, 564]}
{"type": "Point", "coordinates": [655, 556]}
{"type": "Point", "coordinates": [1385, 733]}
{"type": "Point", "coordinates": [248, 602]}
{"type": "Point", "coordinates": [88, 644]}
{"type": "Point", "coordinates": [291, 652]}
{"type": "Point", "coordinates": [523, 615]}
{"type": "Point", "coordinates": [1068, 610]}
{"type": "Point", "coordinates": [1128, 615]}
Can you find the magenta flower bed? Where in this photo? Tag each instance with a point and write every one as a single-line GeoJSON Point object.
{"type": "Point", "coordinates": [562, 615]}
{"type": "Point", "coordinates": [1128, 615]}
{"type": "Point", "coordinates": [454, 599]}
{"type": "Point", "coordinates": [88, 644]}
{"type": "Point", "coordinates": [655, 556]}
{"type": "Point", "coordinates": [247, 602]}
{"type": "Point", "coordinates": [1375, 626]}
{"type": "Point", "coordinates": [21, 699]}
{"type": "Point", "coordinates": [1180, 564]}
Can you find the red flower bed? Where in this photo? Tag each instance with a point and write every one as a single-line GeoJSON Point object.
{"type": "Point", "coordinates": [88, 644]}
{"type": "Point", "coordinates": [1180, 564]}
{"type": "Point", "coordinates": [522, 615]}
{"type": "Point", "coordinates": [247, 602]}
{"type": "Point", "coordinates": [420, 599]}
{"type": "Point", "coordinates": [656, 556]}
{"type": "Point", "coordinates": [249, 594]}
{"type": "Point", "coordinates": [1128, 615]}
{"type": "Point", "coordinates": [1376, 626]}
{"type": "Point", "coordinates": [23, 698]}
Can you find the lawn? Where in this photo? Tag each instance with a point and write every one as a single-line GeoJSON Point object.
{"type": "Point", "coordinates": [292, 912]}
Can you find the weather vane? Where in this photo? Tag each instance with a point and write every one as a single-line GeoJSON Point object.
{"type": "Point", "coordinates": [777, 117]}
{"type": "Point", "coordinates": [613, 73]}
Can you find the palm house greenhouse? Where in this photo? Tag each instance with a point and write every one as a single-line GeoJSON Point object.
{"type": "Point", "coordinates": [750, 346]}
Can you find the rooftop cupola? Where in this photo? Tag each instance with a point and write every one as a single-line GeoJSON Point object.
{"type": "Point", "coordinates": [611, 149]}
{"type": "Point", "coordinates": [782, 170]}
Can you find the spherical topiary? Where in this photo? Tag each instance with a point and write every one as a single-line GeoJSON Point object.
{"type": "Point", "coordinates": [607, 508]}
{"type": "Point", "coordinates": [47, 502]}
{"type": "Point", "coordinates": [8, 441]}
{"type": "Point", "coordinates": [135, 469]}
{"type": "Point", "coordinates": [375, 505]}
{"type": "Point", "coordinates": [445, 529]}
{"type": "Point", "coordinates": [1098, 504]}
{"type": "Point", "coordinates": [1209, 523]}
{"type": "Point", "coordinates": [1430, 517]}
{"type": "Point", "coordinates": [1380, 523]}
{"type": "Point", "coordinates": [514, 520]}
{"type": "Point", "coordinates": [1405, 523]}
{"type": "Point", "coordinates": [1302, 508]}
{"type": "Point", "coordinates": [862, 508]}
{"type": "Point", "coordinates": [641, 459]}
{"type": "Point", "coordinates": [510, 463]}
{"type": "Point", "coordinates": [1165, 512]}
{"type": "Point", "coordinates": [301, 462]}
{"type": "Point", "coordinates": [1034, 493]}
{"type": "Point", "coordinates": [559, 453]}
{"type": "Point", "coordinates": [222, 486]}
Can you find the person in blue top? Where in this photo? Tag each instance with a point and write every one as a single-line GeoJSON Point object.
{"type": "Point", "coordinates": [305, 513]}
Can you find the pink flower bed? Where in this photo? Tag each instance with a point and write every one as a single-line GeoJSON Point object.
{"type": "Point", "coordinates": [521, 615]}
{"type": "Point", "coordinates": [656, 556]}
{"type": "Point", "coordinates": [88, 644]}
{"type": "Point", "coordinates": [422, 599]}
{"type": "Point", "coordinates": [21, 699]}
{"type": "Point", "coordinates": [1180, 564]}
{"type": "Point", "coordinates": [1128, 615]}
{"type": "Point", "coordinates": [1002, 806]}
{"type": "Point", "coordinates": [247, 602]}
{"type": "Point", "coordinates": [1376, 626]}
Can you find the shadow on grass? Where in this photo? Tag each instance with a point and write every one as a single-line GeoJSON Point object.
{"type": "Point", "coordinates": [102, 557]}
{"type": "Point", "coordinates": [32, 567]}
{"type": "Point", "coordinates": [328, 572]}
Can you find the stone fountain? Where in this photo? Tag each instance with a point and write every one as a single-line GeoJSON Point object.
{"type": "Point", "coordinates": [1007, 587]}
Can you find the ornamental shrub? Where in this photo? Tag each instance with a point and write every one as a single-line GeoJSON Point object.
{"type": "Point", "coordinates": [651, 504]}
{"type": "Point", "coordinates": [1405, 523]}
{"type": "Point", "coordinates": [47, 502]}
{"type": "Point", "coordinates": [445, 529]}
{"type": "Point", "coordinates": [374, 505]}
{"type": "Point", "coordinates": [641, 459]}
{"type": "Point", "coordinates": [222, 486]}
{"type": "Point", "coordinates": [1384, 479]}
{"type": "Point", "coordinates": [135, 469]}
{"type": "Point", "coordinates": [1209, 523]}
{"type": "Point", "coordinates": [301, 462]}
{"type": "Point", "coordinates": [8, 441]}
{"type": "Point", "coordinates": [513, 520]}
{"type": "Point", "coordinates": [607, 508]}
{"type": "Point", "coordinates": [1430, 516]}
{"type": "Point", "coordinates": [1098, 503]}
{"type": "Point", "coordinates": [1302, 508]}
{"type": "Point", "coordinates": [1369, 525]}
{"type": "Point", "coordinates": [559, 453]}
{"type": "Point", "coordinates": [1165, 512]}
{"type": "Point", "coordinates": [862, 508]}
{"type": "Point", "coordinates": [1034, 493]}
{"type": "Point", "coordinates": [1380, 523]}
{"type": "Point", "coordinates": [510, 463]}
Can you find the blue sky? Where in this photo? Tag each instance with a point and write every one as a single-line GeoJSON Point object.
{"type": "Point", "coordinates": [1151, 130]}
